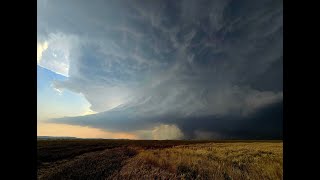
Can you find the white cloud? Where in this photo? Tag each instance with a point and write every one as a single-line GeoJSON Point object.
{"type": "Point", "coordinates": [58, 90]}
{"type": "Point", "coordinates": [55, 53]}
{"type": "Point", "coordinates": [89, 111]}
{"type": "Point", "coordinates": [40, 48]}
{"type": "Point", "coordinates": [164, 131]}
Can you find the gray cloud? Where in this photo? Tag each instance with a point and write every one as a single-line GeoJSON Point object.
{"type": "Point", "coordinates": [186, 63]}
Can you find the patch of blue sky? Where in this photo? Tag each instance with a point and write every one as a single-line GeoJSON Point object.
{"type": "Point", "coordinates": [51, 103]}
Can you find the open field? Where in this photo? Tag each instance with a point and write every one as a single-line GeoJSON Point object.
{"type": "Point", "coordinates": [128, 159]}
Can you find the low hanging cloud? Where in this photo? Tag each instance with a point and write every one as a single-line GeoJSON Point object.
{"type": "Point", "coordinates": [204, 135]}
{"type": "Point", "coordinates": [197, 68]}
{"type": "Point", "coordinates": [166, 132]}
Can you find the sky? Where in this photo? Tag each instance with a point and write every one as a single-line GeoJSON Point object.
{"type": "Point", "coordinates": [162, 69]}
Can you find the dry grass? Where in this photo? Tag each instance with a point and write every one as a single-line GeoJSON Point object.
{"type": "Point", "coordinates": [90, 159]}
{"type": "Point", "coordinates": [254, 160]}
{"type": "Point", "coordinates": [56, 150]}
{"type": "Point", "coordinates": [125, 159]}
{"type": "Point", "coordinates": [93, 165]}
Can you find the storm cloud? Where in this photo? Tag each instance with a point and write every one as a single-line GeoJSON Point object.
{"type": "Point", "coordinates": [196, 69]}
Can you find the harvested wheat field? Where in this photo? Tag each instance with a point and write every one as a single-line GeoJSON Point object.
{"type": "Point", "coordinates": [160, 159]}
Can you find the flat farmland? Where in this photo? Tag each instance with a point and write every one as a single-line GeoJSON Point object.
{"type": "Point", "coordinates": [148, 159]}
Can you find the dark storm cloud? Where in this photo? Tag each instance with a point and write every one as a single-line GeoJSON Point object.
{"type": "Point", "coordinates": [263, 124]}
{"type": "Point", "coordinates": [212, 68]}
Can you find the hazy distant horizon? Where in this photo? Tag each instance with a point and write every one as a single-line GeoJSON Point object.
{"type": "Point", "coordinates": [71, 137]}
